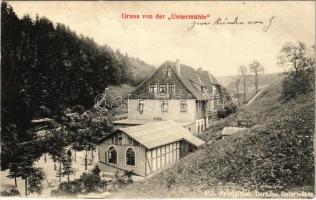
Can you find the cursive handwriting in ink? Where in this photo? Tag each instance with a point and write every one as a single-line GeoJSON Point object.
{"type": "Point", "coordinates": [266, 28]}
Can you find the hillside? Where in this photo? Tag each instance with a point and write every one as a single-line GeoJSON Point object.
{"type": "Point", "coordinates": [269, 99]}
{"type": "Point", "coordinates": [230, 83]}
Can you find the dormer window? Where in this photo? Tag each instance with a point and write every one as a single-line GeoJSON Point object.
{"type": "Point", "coordinates": [164, 106]}
{"type": "Point", "coordinates": [203, 91]}
{"type": "Point", "coordinates": [140, 106]}
{"type": "Point", "coordinates": [162, 88]}
{"type": "Point", "coordinates": [167, 72]}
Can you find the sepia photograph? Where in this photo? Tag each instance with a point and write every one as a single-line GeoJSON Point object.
{"type": "Point", "coordinates": [157, 99]}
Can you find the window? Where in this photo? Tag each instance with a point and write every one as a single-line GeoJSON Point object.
{"type": "Point", "coordinates": [167, 72]}
{"type": "Point", "coordinates": [183, 106]}
{"type": "Point", "coordinates": [171, 88]}
{"type": "Point", "coordinates": [119, 138]}
{"type": "Point", "coordinates": [112, 155]}
{"type": "Point", "coordinates": [114, 139]}
{"type": "Point", "coordinates": [162, 88]}
{"type": "Point", "coordinates": [203, 90]}
{"type": "Point", "coordinates": [164, 106]}
{"type": "Point", "coordinates": [140, 106]}
{"type": "Point", "coordinates": [130, 157]}
{"type": "Point", "coordinates": [152, 88]}
{"type": "Point", "coordinates": [129, 141]}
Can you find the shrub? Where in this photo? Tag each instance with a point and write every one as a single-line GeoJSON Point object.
{"type": "Point", "coordinates": [228, 109]}
{"type": "Point", "coordinates": [90, 181]}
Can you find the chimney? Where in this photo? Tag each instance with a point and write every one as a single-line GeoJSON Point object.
{"type": "Point", "coordinates": [178, 66]}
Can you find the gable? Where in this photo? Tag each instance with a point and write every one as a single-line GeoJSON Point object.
{"type": "Point", "coordinates": [114, 139]}
{"type": "Point", "coordinates": [158, 78]}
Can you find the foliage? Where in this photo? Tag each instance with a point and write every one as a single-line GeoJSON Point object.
{"type": "Point", "coordinates": [35, 180]}
{"type": "Point", "coordinates": [244, 74]}
{"type": "Point", "coordinates": [67, 168]}
{"type": "Point", "coordinates": [301, 74]}
{"type": "Point", "coordinates": [228, 109]}
{"type": "Point", "coordinates": [90, 181]}
{"type": "Point", "coordinates": [46, 68]}
{"type": "Point", "coordinates": [256, 68]}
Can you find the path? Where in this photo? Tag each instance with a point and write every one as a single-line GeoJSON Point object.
{"type": "Point", "coordinates": [256, 95]}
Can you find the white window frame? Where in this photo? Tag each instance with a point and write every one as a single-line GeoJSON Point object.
{"type": "Point", "coordinates": [125, 155]}
{"type": "Point", "coordinates": [107, 155]}
{"type": "Point", "coordinates": [185, 104]}
{"type": "Point", "coordinates": [140, 106]}
{"type": "Point", "coordinates": [174, 89]}
{"type": "Point", "coordinates": [164, 106]}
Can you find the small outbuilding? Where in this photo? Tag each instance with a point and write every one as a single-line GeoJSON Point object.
{"type": "Point", "coordinates": [229, 131]}
{"type": "Point", "coordinates": [146, 148]}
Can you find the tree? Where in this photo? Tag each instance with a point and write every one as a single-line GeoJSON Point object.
{"type": "Point", "coordinates": [35, 180]}
{"type": "Point", "coordinates": [256, 68]}
{"type": "Point", "coordinates": [301, 69]}
{"type": "Point", "coordinates": [244, 74]}
{"type": "Point", "coordinates": [237, 90]}
{"type": "Point", "coordinates": [67, 169]}
{"type": "Point", "coordinates": [46, 68]}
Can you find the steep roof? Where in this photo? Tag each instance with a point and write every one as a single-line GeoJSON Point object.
{"type": "Point", "coordinates": [156, 134]}
{"type": "Point", "coordinates": [188, 76]}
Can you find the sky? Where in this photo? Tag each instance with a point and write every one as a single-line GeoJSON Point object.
{"type": "Point", "coordinates": [221, 49]}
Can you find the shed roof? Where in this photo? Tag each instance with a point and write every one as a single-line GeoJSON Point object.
{"type": "Point", "coordinates": [156, 134]}
{"type": "Point", "coordinates": [232, 131]}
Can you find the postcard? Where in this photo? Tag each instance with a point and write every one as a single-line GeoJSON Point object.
{"type": "Point", "coordinates": [157, 99]}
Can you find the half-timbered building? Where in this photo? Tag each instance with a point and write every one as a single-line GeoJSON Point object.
{"type": "Point", "coordinates": [147, 148]}
{"type": "Point", "coordinates": [176, 92]}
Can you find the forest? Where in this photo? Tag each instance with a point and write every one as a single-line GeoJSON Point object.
{"type": "Point", "coordinates": [47, 67]}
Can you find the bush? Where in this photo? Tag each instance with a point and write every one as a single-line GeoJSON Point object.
{"type": "Point", "coordinates": [90, 181]}
{"type": "Point", "coordinates": [295, 86]}
{"type": "Point", "coordinates": [228, 109]}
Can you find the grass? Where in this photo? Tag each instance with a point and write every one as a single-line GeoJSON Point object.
{"type": "Point", "coordinates": [268, 99]}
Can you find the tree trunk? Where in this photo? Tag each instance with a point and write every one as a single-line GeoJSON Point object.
{"type": "Point", "coordinates": [68, 178]}
{"type": "Point", "coordinates": [256, 83]}
{"type": "Point", "coordinates": [15, 182]}
{"type": "Point", "coordinates": [75, 156]}
{"type": "Point", "coordinates": [86, 160]}
{"type": "Point", "coordinates": [59, 171]}
{"type": "Point", "coordinates": [26, 186]}
{"type": "Point", "coordinates": [55, 168]}
{"type": "Point", "coordinates": [238, 93]}
{"type": "Point", "coordinates": [45, 158]}
{"type": "Point", "coordinates": [92, 154]}
{"type": "Point", "coordinates": [244, 90]}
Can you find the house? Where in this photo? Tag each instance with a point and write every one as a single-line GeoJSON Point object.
{"type": "Point", "coordinates": [176, 92]}
{"type": "Point", "coordinates": [146, 148]}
